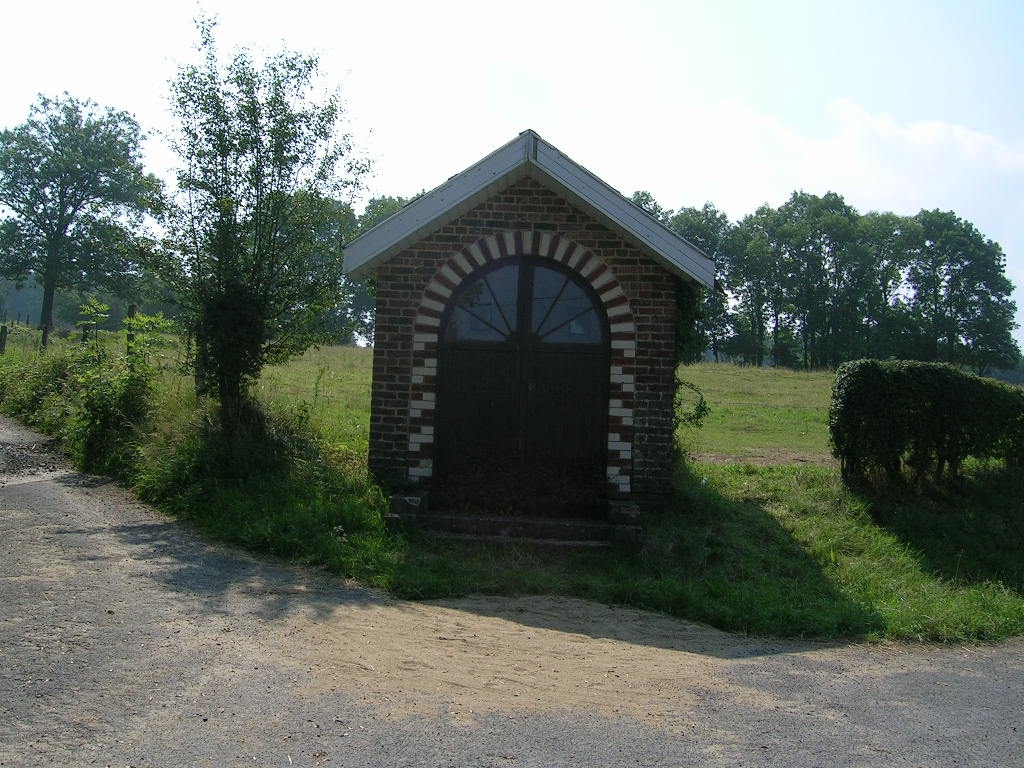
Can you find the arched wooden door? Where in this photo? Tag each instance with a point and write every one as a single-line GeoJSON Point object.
{"type": "Point", "coordinates": [522, 396]}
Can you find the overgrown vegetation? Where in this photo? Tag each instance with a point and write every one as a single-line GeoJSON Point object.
{"type": "Point", "coordinates": [258, 229]}
{"type": "Point", "coordinates": [782, 549]}
{"type": "Point", "coordinates": [90, 395]}
{"type": "Point", "coordinates": [285, 485]}
{"type": "Point", "coordinates": [277, 488]}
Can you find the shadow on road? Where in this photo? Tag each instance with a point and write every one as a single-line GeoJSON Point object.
{"type": "Point", "coordinates": [175, 558]}
{"type": "Point", "coordinates": [107, 528]}
{"type": "Point", "coordinates": [217, 581]}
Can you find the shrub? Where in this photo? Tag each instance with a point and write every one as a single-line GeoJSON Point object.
{"type": "Point", "coordinates": [36, 390]}
{"type": "Point", "coordinates": [88, 395]}
{"type": "Point", "coordinates": [929, 416]}
{"type": "Point", "coordinates": [114, 398]}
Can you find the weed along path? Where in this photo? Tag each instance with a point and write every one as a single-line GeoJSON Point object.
{"type": "Point", "coordinates": [127, 641]}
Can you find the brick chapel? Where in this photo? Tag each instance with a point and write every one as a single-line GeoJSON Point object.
{"type": "Point", "coordinates": [524, 345]}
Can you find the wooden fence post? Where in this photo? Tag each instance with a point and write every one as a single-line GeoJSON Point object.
{"type": "Point", "coordinates": [3, 339]}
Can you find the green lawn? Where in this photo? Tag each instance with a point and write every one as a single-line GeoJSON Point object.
{"type": "Point", "coordinates": [333, 385]}
{"type": "Point", "coordinates": [762, 536]}
{"type": "Point", "coordinates": [760, 414]}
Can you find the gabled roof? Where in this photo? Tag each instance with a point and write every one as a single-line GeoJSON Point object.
{"type": "Point", "coordinates": [527, 156]}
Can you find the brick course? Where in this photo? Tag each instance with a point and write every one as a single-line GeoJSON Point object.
{"type": "Point", "coordinates": [526, 219]}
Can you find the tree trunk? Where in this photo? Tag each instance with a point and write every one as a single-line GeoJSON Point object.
{"type": "Point", "coordinates": [46, 314]}
{"type": "Point", "coordinates": [229, 390]}
{"type": "Point", "coordinates": [775, 338]}
{"type": "Point", "coordinates": [806, 342]}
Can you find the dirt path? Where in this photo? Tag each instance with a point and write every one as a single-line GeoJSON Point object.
{"type": "Point", "coordinates": [125, 640]}
{"type": "Point", "coordinates": [766, 457]}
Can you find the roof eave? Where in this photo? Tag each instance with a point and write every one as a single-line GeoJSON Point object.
{"type": "Point", "coordinates": [527, 155]}
{"type": "Point", "coordinates": [631, 222]}
{"type": "Point", "coordinates": [426, 214]}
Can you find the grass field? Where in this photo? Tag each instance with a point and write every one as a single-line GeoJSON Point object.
{"type": "Point", "coordinates": [761, 414]}
{"type": "Point", "coordinates": [762, 537]}
{"type": "Point", "coordinates": [332, 385]}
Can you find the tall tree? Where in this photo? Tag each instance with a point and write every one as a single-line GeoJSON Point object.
{"type": "Point", "coordinates": [765, 276]}
{"type": "Point", "coordinates": [73, 196]}
{"type": "Point", "coordinates": [848, 280]}
{"type": "Point", "coordinates": [700, 314]}
{"type": "Point", "coordinates": [259, 229]}
{"type": "Point", "coordinates": [752, 279]}
{"type": "Point", "coordinates": [646, 200]}
{"type": "Point", "coordinates": [887, 242]}
{"type": "Point", "coordinates": [360, 308]}
{"type": "Point", "coordinates": [816, 234]}
{"type": "Point", "coordinates": [710, 230]}
{"type": "Point", "coordinates": [961, 295]}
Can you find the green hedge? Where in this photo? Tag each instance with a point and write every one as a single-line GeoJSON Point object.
{"type": "Point", "coordinates": [929, 416]}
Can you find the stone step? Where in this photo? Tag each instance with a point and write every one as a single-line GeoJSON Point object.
{"type": "Point", "coordinates": [559, 529]}
{"type": "Point", "coordinates": [510, 540]}
{"type": "Point", "coordinates": [622, 526]}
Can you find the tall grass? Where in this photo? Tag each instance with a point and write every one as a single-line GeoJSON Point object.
{"type": "Point", "coordinates": [330, 388]}
{"type": "Point", "coordinates": [765, 539]}
{"type": "Point", "coordinates": [761, 413]}
{"type": "Point", "coordinates": [294, 483]}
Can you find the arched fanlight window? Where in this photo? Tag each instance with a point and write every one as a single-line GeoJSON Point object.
{"type": "Point", "coordinates": [523, 300]}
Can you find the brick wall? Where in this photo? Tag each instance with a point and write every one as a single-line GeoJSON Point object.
{"type": "Point", "coordinates": [526, 219]}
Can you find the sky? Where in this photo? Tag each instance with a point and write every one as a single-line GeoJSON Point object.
{"type": "Point", "coordinates": [896, 105]}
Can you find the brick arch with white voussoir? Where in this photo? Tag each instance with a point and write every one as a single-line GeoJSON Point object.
{"type": "Point", "coordinates": [622, 333]}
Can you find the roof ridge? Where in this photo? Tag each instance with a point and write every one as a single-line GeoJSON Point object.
{"type": "Point", "coordinates": [526, 155]}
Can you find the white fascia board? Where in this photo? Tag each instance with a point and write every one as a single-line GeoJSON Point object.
{"type": "Point", "coordinates": [581, 186]}
{"type": "Point", "coordinates": [453, 198]}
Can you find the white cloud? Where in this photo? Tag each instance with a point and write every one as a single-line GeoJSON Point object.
{"type": "Point", "coordinates": [921, 165]}
{"type": "Point", "coordinates": [739, 158]}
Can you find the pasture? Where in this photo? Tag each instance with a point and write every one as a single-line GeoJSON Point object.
{"type": "Point", "coordinates": [762, 537]}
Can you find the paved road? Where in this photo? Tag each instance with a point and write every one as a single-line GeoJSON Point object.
{"type": "Point", "coordinates": [127, 641]}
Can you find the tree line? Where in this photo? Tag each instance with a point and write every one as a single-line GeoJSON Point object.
{"type": "Point", "coordinates": [79, 217]}
{"type": "Point", "coordinates": [246, 246]}
{"type": "Point", "coordinates": [814, 283]}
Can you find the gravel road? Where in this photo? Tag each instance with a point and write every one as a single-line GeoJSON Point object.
{"type": "Point", "coordinates": [125, 640]}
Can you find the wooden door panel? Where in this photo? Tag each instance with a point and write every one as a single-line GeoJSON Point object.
{"type": "Point", "coordinates": [565, 419]}
{"type": "Point", "coordinates": [477, 415]}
